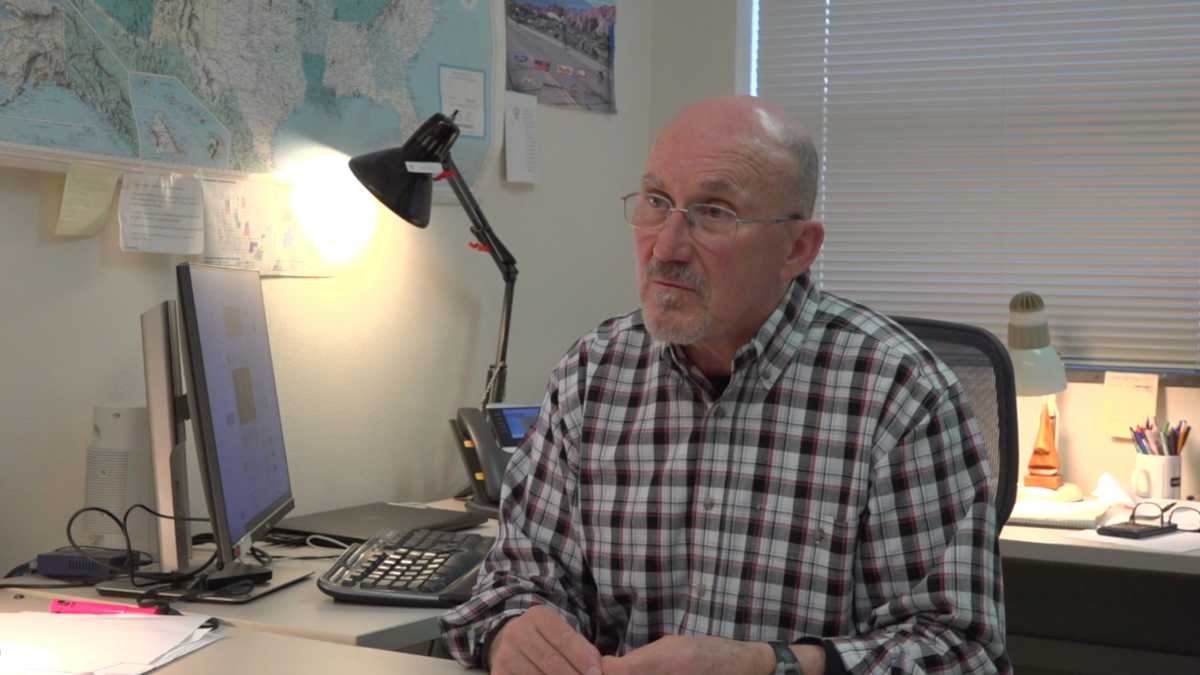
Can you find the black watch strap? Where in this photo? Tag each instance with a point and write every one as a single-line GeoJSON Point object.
{"type": "Point", "coordinates": [786, 662]}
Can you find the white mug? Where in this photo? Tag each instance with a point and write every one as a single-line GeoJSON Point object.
{"type": "Point", "coordinates": [1157, 476]}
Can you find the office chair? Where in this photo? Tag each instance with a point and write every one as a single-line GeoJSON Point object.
{"type": "Point", "coordinates": [982, 364]}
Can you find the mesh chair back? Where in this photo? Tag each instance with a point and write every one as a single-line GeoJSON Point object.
{"type": "Point", "coordinates": [985, 370]}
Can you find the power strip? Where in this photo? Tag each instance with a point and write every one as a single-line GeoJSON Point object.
{"type": "Point", "coordinates": [67, 564]}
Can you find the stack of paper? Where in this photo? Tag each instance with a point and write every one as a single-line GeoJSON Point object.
{"type": "Point", "coordinates": [1069, 515]}
{"type": "Point", "coordinates": [115, 644]}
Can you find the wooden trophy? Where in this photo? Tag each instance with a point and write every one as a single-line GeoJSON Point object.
{"type": "Point", "coordinates": [1043, 465]}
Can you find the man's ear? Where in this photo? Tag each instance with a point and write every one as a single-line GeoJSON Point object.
{"type": "Point", "coordinates": [806, 245]}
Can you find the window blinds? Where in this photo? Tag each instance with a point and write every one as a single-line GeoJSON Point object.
{"type": "Point", "coordinates": [975, 149]}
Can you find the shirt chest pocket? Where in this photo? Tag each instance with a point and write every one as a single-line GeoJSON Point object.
{"type": "Point", "coordinates": [807, 551]}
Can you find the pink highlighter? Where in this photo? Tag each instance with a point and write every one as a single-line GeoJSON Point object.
{"type": "Point", "coordinates": [78, 607]}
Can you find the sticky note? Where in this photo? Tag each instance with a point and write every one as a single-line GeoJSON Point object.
{"type": "Point", "coordinates": [1129, 398]}
{"type": "Point", "coordinates": [86, 198]}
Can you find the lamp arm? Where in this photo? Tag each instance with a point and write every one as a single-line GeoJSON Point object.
{"type": "Point", "coordinates": [479, 224]}
{"type": "Point", "coordinates": [494, 392]}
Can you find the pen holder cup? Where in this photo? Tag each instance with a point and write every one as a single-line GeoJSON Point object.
{"type": "Point", "coordinates": [1157, 476]}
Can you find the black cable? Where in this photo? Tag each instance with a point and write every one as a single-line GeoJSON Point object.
{"type": "Point", "coordinates": [20, 570]}
{"type": "Point", "coordinates": [155, 583]}
{"type": "Point", "coordinates": [136, 579]}
{"type": "Point", "coordinates": [124, 532]}
{"type": "Point", "coordinates": [152, 512]}
{"type": "Point", "coordinates": [261, 556]}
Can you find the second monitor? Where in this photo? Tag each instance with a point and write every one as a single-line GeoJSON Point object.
{"type": "Point", "coordinates": [237, 431]}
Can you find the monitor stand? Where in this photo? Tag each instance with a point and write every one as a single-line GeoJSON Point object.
{"type": "Point", "coordinates": [281, 577]}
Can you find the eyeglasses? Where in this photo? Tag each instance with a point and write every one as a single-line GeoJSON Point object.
{"type": "Point", "coordinates": [709, 223]}
{"type": "Point", "coordinates": [1188, 522]}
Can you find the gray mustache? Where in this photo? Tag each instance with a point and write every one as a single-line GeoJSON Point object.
{"type": "Point", "coordinates": [676, 272]}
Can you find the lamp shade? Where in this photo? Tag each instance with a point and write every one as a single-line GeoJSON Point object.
{"type": "Point", "coordinates": [1036, 366]}
{"type": "Point", "coordinates": [391, 175]}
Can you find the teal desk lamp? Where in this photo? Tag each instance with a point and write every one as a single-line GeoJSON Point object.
{"type": "Point", "coordinates": [402, 179]}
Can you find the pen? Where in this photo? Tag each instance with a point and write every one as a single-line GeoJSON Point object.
{"type": "Point", "coordinates": [1139, 440]}
{"type": "Point", "coordinates": [1147, 435]}
{"type": "Point", "coordinates": [79, 607]}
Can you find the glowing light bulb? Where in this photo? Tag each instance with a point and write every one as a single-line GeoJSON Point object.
{"type": "Point", "coordinates": [336, 213]}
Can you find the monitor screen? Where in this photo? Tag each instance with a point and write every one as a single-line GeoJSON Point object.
{"type": "Point", "coordinates": [512, 422]}
{"type": "Point", "coordinates": [234, 407]}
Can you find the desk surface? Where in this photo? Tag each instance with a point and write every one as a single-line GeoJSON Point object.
{"type": "Point", "coordinates": [1047, 544]}
{"type": "Point", "coordinates": [248, 651]}
{"type": "Point", "coordinates": [303, 611]}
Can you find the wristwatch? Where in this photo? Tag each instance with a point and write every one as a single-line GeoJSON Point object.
{"type": "Point", "coordinates": [786, 662]}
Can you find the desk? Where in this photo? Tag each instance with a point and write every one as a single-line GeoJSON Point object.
{"type": "Point", "coordinates": [1048, 544]}
{"type": "Point", "coordinates": [1072, 607]}
{"type": "Point", "coordinates": [1098, 608]}
{"type": "Point", "coordinates": [302, 610]}
{"type": "Point", "coordinates": [246, 651]}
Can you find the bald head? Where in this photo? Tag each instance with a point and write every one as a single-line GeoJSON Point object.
{"type": "Point", "coordinates": [785, 147]}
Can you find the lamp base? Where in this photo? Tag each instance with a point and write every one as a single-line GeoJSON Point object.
{"type": "Point", "coordinates": [1048, 482]}
{"type": "Point", "coordinates": [1069, 492]}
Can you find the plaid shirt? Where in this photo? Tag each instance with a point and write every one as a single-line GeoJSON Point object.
{"type": "Point", "coordinates": [837, 488]}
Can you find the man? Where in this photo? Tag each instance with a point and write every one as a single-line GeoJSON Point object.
{"type": "Point", "coordinates": [746, 460]}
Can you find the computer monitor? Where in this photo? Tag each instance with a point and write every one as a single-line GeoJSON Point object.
{"type": "Point", "coordinates": [236, 425]}
{"type": "Point", "coordinates": [138, 457]}
{"type": "Point", "coordinates": [167, 416]}
{"type": "Point", "coordinates": [218, 329]}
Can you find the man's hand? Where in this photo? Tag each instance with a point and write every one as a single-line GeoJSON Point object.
{"type": "Point", "coordinates": [698, 655]}
{"type": "Point", "coordinates": [540, 642]}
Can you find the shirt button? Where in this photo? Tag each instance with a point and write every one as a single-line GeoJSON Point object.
{"type": "Point", "coordinates": [719, 412]}
{"type": "Point", "coordinates": [820, 534]}
{"type": "Point", "coordinates": [708, 503]}
{"type": "Point", "coordinates": [701, 590]}
{"type": "Point", "coordinates": [768, 375]}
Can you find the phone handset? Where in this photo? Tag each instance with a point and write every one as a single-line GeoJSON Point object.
{"type": "Point", "coordinates": [492, 461]}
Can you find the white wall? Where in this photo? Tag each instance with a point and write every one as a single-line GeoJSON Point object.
{"type": "Point", "coordinates": [370, 364]}
{"type": "Point", "coordinates": [694, 54]}
{"type": "Point", "coordinates": [1085, 452]}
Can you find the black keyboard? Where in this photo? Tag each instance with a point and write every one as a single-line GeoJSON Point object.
{"type": "Point", "coordinates": [414, 568]}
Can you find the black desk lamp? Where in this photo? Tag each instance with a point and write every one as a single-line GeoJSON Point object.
{"type": "Point", "coordinates": [402, 178]}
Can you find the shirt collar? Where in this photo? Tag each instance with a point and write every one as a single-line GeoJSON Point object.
{"type": "Point", "coordinates": [783, 332]}
{"type": "Point", "coordinates": [778, 339]}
